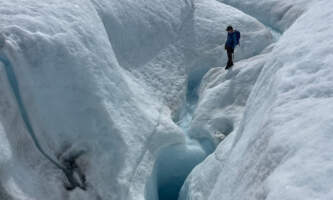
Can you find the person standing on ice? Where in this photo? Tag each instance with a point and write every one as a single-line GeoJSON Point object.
{"type": "Point", "coordinates": [230, 44]}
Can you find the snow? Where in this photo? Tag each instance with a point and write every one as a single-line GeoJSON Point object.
{"type": "Point", "coordinates": [106, 99]}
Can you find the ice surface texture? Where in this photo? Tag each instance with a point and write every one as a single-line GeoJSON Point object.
{"type": "Point", "coordinates": [103, 84]}
{"type": "Point", "coordinates": [100, 84]}
{"type": "Point", "coordinates": [282, 148]}
{"type": "Point", "coordinates": [278, 15]}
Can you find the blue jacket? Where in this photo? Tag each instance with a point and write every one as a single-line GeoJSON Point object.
{"type": "Point", "coordinates": [231, 40]}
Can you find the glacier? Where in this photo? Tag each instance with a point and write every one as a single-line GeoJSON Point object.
{"type": "Point", "coordinates": [280, 146]}
{"type": "Point", "coordinates": [123, 100]}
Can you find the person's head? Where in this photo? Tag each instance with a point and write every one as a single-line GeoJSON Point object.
{"type": "Point", "coordinates": [229, 29]}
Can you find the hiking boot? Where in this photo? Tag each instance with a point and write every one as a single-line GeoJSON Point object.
{"type": "Point", "coordinates": [229, 66]}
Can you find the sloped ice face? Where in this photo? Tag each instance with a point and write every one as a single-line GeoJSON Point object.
{"type": "Point", "coordinates": [278, 15]}
{"type": "Point", "coordinates": [105, 99]}
{"type": "Point", "coordinates": [280, 147]}
{"type": "Point", "coordinates": [92, 93]}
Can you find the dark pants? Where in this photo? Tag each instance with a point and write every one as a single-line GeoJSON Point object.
{"type": "Point", "coordinates": [230, 52]}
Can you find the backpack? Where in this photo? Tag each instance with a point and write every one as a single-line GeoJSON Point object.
{"type": "Point", "coordinates": [238, 36]}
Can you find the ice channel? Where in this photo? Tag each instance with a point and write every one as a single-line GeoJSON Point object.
{"type": "Point", "coordinates": [175, 162]}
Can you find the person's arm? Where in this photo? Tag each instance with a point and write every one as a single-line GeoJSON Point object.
{"type": "Point", "coordinates": [234, 40]}
{"type": "Point", "coordinates": [225, 44]}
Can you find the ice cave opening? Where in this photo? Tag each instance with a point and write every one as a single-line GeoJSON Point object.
{"type": "Point", "coordinates": [173, 165]}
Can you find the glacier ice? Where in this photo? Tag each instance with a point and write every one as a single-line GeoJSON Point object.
{"type": "Point", "coordinates": [278, 15]}
{"type": "Point", "coordinates": [281, 148]}
{"type": "Point", "coordinates": [83, 73]}
{"type": "Point", "coordinates": [127, 96]}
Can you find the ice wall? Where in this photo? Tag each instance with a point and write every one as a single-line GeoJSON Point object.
{"type": "Point", "coordinates": [74, 93]}
{"type": "Point", "coordinates": [91, 92]}
{"type": "Point", "coordinates": [281, 148]}
{"type": "Point", "coordinates": [223, 96]}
